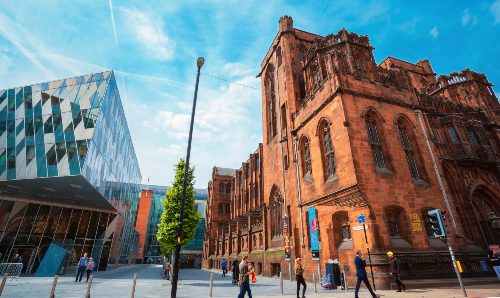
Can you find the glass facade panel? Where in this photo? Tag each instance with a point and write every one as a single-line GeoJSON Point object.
{"type": "Point", "coordinates": [69, 127]}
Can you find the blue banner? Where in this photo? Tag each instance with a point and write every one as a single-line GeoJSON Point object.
{"type": "Point", "coordinates": [313, 228]}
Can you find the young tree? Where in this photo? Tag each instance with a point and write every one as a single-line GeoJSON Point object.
{"type": "Point", "coordinates": [169, 221]}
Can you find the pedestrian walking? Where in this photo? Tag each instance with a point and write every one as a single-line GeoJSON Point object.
{"type": "Point", "coordinates": [82, 266]}
{"type": "Point", "coordinates": [166, 270]}
{"type": "Point", "coordinates": [244, 278]}
{"type": "Point", "coordinates": [223, 265]}
{"type": "Point", "coordinates": [394, 271]}
{"type": "Point", "coordinates": [299, 276]}
{"type": "Point", "coordinates": [90, 267]}
{"type": "Point", "coordinates": [15, 259]}
{"type": "Point", "coordinates": [236, 271]}
{"type": "Point", "coordinates": [361, 274]}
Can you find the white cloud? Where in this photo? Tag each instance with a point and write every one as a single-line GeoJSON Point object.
{"type": "Point", "coordinates": [5, 64]}
{"type": "Point", "coordinates": [465, 17]}
{"type": "Point", "coordinates": [147, 30]}
{"type": "Point", "coordinates": [236, 69]}
{"type": "Point", "coordinates": [172, 149]}
{"type": "Point", "coordinates": [495, 11]}
{"type": "Point", "coordinates": [434, 32]}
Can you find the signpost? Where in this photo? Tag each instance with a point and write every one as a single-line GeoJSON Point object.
{"type": "Point", "coordinates": [361, 220]}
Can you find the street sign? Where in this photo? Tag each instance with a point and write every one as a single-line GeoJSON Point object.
{"type": "Point", "coordinates": [361, 218]}
{"type": "Point", "coordinates": [359, 228]}
{"type": "Point", "coordinates": [315, 255]}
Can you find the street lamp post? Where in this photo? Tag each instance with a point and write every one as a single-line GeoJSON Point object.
{"type": "Point", "coordinates": [177, 253]}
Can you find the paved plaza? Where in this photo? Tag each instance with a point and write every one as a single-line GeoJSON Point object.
{"type": "Point", "coordinates": [195, 283]}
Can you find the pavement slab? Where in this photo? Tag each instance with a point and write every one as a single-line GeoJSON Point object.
{"type": "Point", "coordinates": [196, 283]}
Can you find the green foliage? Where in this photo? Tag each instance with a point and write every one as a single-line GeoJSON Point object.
{"type": "Point", "coordinates": [167, 228]}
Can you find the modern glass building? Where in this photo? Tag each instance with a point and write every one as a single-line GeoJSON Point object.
{"type": "Point", "coordinates": [191, 252]}
{"type": "Point", "coordinates": [69, 176]}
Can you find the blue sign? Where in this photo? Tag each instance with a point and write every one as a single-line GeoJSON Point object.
{"type": "Point", "coordinates": [313, 229]}
{"type": "Point", "coordinates": [361, 218]}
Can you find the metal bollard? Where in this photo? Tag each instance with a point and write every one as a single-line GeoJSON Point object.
{"type": "Point", "coordinates": [211, 283]}
{"type": "Point", "coordinates": [87, 295]}
{"type": "Point", "coordinates": [281, 282]}
{"type": "Point", "coordinates": [133, 285]}
{"type": "Point", "coordinates": [4, 279]}
{"type": "Point", "coordinates": [53, 290]}
{"type": "Point", "coordinates": [314, 282]}
{"type": "Point", "coordinates": [345, 281]}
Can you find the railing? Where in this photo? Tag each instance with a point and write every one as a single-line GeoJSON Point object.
{"type": "Point", "coordinates": [13, 270]}
{"type": "Point", "coordinates": [439, 265]}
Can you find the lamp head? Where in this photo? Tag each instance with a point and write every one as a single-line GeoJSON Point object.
{"type": "Point", "coordinates": [200, 62]}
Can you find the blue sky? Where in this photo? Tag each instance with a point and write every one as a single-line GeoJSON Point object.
{"type": "Point", "coordinates": [153, 46]}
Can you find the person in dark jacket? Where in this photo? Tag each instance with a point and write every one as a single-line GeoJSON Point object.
{"type": "Point", "coordinates": [394, 271]}
{"type": "Point", "coordinates": [361, 274]}
{"type": "Point", "coordinates": [236, 271]}
{"type": "Point", "coordinates": [299, 276]}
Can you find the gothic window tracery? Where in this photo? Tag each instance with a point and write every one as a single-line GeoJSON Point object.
{"type": "Point", "coordinates": [328, 154]}
{"type": "Point", "coordinates": [276, 206]}
{"type": "Point", "coordinates": [270, 103]}
{"type": "Point", "coordinates": [306, 156]}
{"type": "Point", "coordinates": [375, 141]}
{"type": "Point", "coordinates": [411, 151]}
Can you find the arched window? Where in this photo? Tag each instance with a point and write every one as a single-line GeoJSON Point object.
{"type": "Point", "coordinates": [328, 154]}
{"type": "Point", "coordinates": [221, 187]}
{"type": "Point", "coordinates": [276, 206]}
{"type": "Point", "coordinates": [270, 103]}
{"type": "Point", "coordinates": [306, 156]}
{"type": "Point", "coordinates": [228, 187]}
{"type": "Point", "coordinates": [376, 141]}
{"type": "Point", "coordinates": [342, 230]}
{"type": "Point", "coordinates": [397, 226]}
{"type": "Point", "coordinates": [228, 209]}
{"type": "Point", "coordinates": [413, 158]}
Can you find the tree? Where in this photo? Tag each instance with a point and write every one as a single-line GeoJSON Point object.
{"type": "Point", "coordinates": [169, 221]}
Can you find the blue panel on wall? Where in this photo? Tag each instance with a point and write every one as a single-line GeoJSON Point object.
{"type": "Point", "coordinates": [51, 261]}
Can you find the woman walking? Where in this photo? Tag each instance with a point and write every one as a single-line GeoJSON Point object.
{"type": "Point", "coordinates": [299, 276]}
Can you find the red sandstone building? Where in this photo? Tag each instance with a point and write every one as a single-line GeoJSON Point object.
{"type": "Point", "coordinates": [351, 138]}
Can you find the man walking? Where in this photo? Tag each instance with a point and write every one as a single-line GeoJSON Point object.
{"type": "Point", "coordinates": [223, 264]}
{"type": "Point", "coordinates": [236, 271]}
{"type": "Point", "coordinates": [394, 271]}
{"type": "Point", "coordinates": [82, 266]}
{"type": "Point", "coordinates": [244, 280]}
{"type": "Point", "coordinates": [361, 274]}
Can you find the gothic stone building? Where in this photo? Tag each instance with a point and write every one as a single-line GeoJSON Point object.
{"type": "Point", "coordinates": [351, 138]}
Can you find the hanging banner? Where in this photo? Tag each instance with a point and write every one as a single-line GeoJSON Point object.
{"type": "Point", "coordinates": [313, 231]}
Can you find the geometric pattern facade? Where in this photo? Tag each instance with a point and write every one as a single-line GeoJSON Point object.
{"type": "Point", "coordinates": [69, 127]}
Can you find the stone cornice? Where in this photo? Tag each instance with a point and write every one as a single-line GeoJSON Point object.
{"type": "Point", "coordinates": [347, 197]}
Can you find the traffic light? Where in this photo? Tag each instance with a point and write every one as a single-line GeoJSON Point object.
{"type": "Point", "coordinates": [436, 221]}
